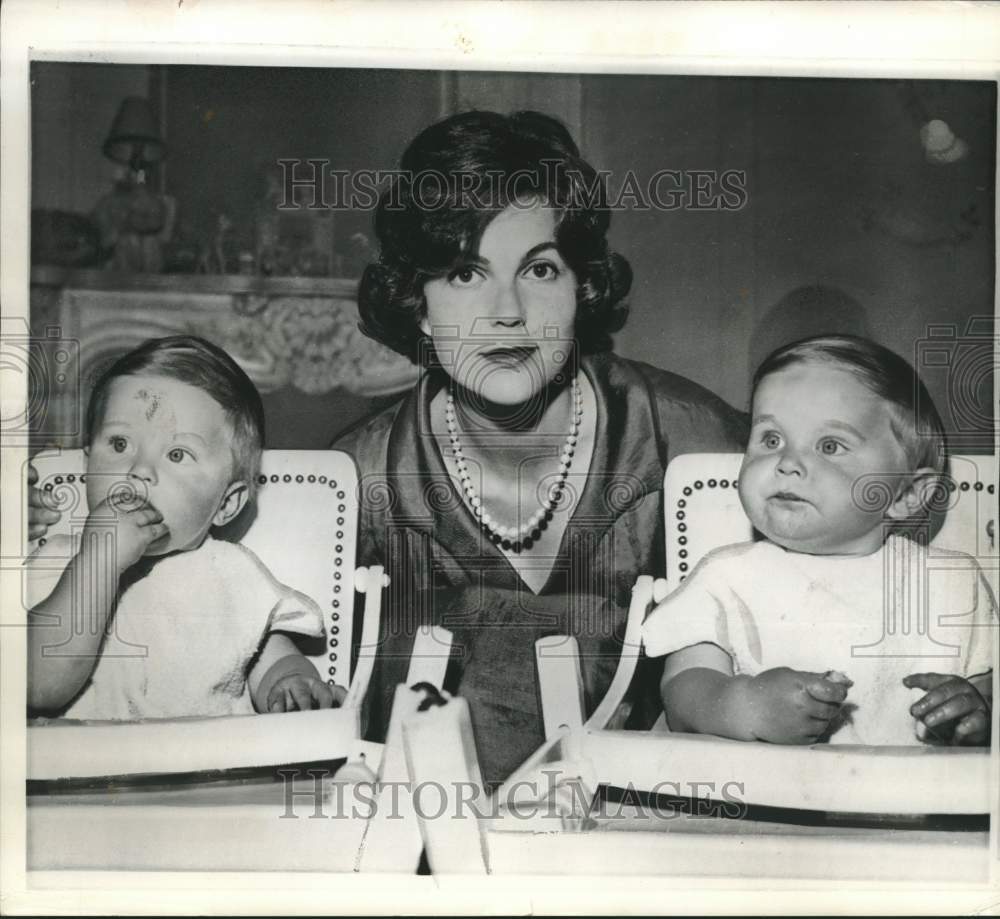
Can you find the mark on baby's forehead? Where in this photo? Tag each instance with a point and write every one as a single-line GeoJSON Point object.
{"type": "Point", "coordinates": [152, 400]}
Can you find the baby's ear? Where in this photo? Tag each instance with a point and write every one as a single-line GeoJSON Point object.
{"type": "Point", "coordinates": [915, 497]}
{"type": "Point", "coordinates": [232, 503]}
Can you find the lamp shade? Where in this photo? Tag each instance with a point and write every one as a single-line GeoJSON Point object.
{"type": "Point", "coordinates": [135, 137]}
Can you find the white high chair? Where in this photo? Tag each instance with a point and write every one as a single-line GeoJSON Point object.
{"type": "Point", "coordinates": [549, 818]}
{"type": "Point", "coordinates": [153, 816]}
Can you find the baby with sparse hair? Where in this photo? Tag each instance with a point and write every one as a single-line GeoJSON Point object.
{"type": "Point", "coordinates": [823, 629]}
{"type": "Point", "coordinates": [147, 615]}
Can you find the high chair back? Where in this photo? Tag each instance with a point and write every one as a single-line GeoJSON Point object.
{"type": "Point", "coordinates": [206, 793]}
{"type": "Point", "coordinates": [702, 510]}
{"type": "Point", "coordinates": [303, 527]}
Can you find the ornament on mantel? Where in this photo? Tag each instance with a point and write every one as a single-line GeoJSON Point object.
{"type": "Point", "coordinates": [134, 220]}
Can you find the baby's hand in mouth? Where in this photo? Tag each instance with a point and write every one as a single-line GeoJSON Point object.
{"type": "Point", "coordinates": [127, 499]}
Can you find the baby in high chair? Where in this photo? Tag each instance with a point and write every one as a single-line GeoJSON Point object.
{"type": "Point", "coordinates": [146, 615]}
{"type": "Point", "coordinates": [832, 625]}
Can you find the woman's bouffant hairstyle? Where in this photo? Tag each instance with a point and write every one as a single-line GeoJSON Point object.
{"type": "Point", "coordinates": [454, 178]}
{"type": "Point", "coordinates": [205, 366]}
{"type": "Point", "coordinates": [913, 416]}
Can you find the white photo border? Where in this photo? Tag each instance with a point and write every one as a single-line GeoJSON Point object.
{"type": "Point", "coordinates": [925, 40]}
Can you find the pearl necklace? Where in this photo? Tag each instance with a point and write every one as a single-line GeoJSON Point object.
{"type": "Point", "coordinates": [513, 537]}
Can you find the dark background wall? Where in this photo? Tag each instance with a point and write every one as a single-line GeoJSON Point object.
{"type": "Point", "coordinates": [228, 126]}
{"type": "Point", "coordinates": [839, 192]}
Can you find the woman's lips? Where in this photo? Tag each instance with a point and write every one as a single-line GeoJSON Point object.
{"type": "Point", "coordinates": [511, 355]}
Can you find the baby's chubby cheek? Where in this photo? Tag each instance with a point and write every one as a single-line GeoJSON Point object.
{"type": "Point", "coordinates": [751, 497]}
{"type": "Point", "coordinates": [776, 523]}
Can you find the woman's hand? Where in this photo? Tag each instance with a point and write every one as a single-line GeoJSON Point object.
{"type": "Point", "coordinates": [42, 511]}
{"type": "Point", "coordinates": [953, 709]}
{"type": "Point", "coordinates": [791, 706]}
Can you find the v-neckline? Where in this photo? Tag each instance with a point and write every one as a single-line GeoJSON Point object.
{"type": "Point", "coordinates": [627, 452]}
{"type": "Point", "coordinates": [472, 529]}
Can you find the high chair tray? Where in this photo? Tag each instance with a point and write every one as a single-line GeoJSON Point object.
{"type": "Point", "coordinates": [61, 748]}
{"type": "Point", "coordinates": [204, 831]}
{"type": "Point", "coordinates": [788, 852]}
{"type": "Point", "coordinates": [886, 780]}
{"type": "Point", "coordinates": [163, 817]}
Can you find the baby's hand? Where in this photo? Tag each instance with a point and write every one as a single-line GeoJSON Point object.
{"type": "Point", "coordinates": [136, 528]}
{"type": "Point", "coordinates": [951, 699]}
{"type": "Point", "coordinates": [298, 692]}
{"type": "Point", "coordinates": [793, 706]}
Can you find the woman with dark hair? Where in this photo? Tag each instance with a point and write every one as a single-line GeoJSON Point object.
{"type": "Point", "coordinates": [515, 492]}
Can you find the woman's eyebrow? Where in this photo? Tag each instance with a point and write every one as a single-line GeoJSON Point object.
{"type": "Point", "coordinates": [760, 419]}
{"type": "Point", "coordinates": [472, 258]}
{"type": "Point", "coordinates": [539, 247]}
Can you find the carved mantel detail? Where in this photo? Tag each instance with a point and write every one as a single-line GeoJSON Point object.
{"type": "Point", "coordinates": [285, 332]}
{"type": "Point", "coordinates": [311, 343]}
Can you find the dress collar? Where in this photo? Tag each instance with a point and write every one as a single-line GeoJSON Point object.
{"type": "Point", "coordinates": [625, 467]}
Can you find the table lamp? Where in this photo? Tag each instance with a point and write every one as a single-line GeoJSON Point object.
{"type": "Point", "coordinates": [134, 139]}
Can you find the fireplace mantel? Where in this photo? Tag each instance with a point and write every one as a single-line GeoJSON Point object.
{"type": "Point", "coordinates": [289, 332]}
